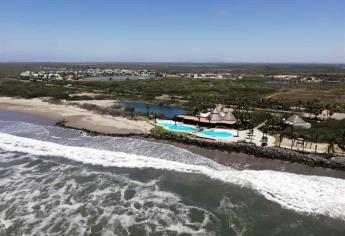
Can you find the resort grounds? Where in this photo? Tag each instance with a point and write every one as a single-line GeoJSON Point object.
{"type": "Point", "coordinates": [75, 116]}
{"type": "Point", "coordinates": [258, 100]}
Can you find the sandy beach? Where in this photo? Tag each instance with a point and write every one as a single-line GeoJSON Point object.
{"type": "Point", "coordinates": [76, 117]}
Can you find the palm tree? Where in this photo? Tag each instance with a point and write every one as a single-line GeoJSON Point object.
{"type": "Point", "coordinates": [299, 104]}
{"type": "Point", "coordinates": [281, 136]}
{"type": "Point", "coordinates": [328, 107]}
{"type": "Point", "coordinates": [303, 143]}
{"type": "Point", "coordinates": [209, 119]}
{"type": "Point", "coordinates": [316, 139]}
{"type": "Point", "coordinates": [148, 110]}
{"type": "Point", "coordinates": [268, 117]}
{"type": "Point", "coordinates": [131, 111]}
{"type": "Point", "coordinates": [199, 117]}
{"type": "Point", "coordinates": [196, 111]}
{"type": "Point", "coordinates": [292, 138]}
{"type": "Point", "coordinates": [330, 149]}
{"type": "Point", "coordinates": [175, 119]}
{"type": "Point", "coordinates": [343, 142]}
{"type": "Point", "coordinates": [292, 128]}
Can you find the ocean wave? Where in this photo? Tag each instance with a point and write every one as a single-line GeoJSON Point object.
{"type": "Point", "coordinates": [305, 194]}
{"type": "Point", "coordinates": [42, 197]}
{"type": "Point", "coordinates": [76, 138]}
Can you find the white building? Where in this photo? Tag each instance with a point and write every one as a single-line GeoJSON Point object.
{"type": "Point", "coordinates": [26, 75]}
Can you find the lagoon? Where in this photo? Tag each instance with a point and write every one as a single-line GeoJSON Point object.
{"type": "Point", "coordinates": [168, 111]}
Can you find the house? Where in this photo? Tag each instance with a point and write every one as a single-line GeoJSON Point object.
{"type": "Point", "coordinates": [324, 115]}
{"type": "Point", "coordinates": [26, 75]}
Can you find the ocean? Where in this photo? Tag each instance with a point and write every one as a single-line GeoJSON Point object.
{"type": "Point", "coordinates": [56, 181]}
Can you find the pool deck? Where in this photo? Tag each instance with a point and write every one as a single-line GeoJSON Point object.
{"type": "Point", "coordinates": [242, 135]}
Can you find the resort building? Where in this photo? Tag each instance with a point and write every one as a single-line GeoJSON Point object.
{"type": "Point", "coordinates": [218, 116]}
{"type": "Point", "coordinates": [297, 121]}
{"type": "Point", "coordinates": [324, 115]}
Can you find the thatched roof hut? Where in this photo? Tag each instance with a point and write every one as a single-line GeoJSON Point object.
{"type": "Point", "coordinates": [216, 117]}
{"type": "Point", "coordinates": [297, 121]}
{"type": "Point", "coordinates": [229, 116]}
{"type": "Point", "coordinates": [219, 115]}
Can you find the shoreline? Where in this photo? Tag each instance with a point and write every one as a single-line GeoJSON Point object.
{"type": "Point", "coordinates": [76, 117]}
{"type": "Point", "coordinates": [242, 159]}
{"type": "Point", "coordinates": [261, 158]}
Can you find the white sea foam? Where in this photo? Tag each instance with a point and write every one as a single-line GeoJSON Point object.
{"type": "Point", "coordinates": [44, 198]}
{"type": "Point", "coordinates": [81, 139]}
{"type": "Point", "coordinates": [308, 194]}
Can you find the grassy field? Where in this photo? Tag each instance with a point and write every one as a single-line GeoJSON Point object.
{"type": "Point", "coordinates": [325, 93]}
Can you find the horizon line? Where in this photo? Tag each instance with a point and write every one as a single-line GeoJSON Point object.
{"type": "Point", "coordinates": [172, 62]}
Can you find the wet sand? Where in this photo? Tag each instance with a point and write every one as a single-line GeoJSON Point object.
{"type": "Point", "coordinates": [24, 117]}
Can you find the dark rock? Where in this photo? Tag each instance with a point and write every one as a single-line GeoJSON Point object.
{"type": "Point", "coordinates": [261, 152]}
{"type": "Point", "coordinates": [314, 160]}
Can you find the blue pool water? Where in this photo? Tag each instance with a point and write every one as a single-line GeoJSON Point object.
{"type": "Point", "coordinates": [216, 134]}
{"type": "Point", "coordinates": [178, 127]}
{"type": "Point", "coordinates": [186, 128]}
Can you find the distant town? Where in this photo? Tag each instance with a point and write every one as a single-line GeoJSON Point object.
{"type": "Point", "coordinates": [79, 74]}
{"type": "Point", "coordinates": [76, 74]}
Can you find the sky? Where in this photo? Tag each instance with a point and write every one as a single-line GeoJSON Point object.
{"type": "Point", "coordinates": [225, 31]}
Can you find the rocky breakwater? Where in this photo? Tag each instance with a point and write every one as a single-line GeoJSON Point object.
{"type": "Point", "coordinates": [247, 148]}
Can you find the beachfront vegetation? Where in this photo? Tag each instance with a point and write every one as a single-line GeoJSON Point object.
{"type": "Point", "coordinates": [190, 93]}
{"type": "Point", "coordinates": [252, 91]}
{"type": "Point", "coordinates": [249, 120]}
{"type": "Point", "coordinates": [242, 94]}
{"type": "Point", "coordinates": [15, 88]}
{"type": "Point", "coordinates": [325, 131]}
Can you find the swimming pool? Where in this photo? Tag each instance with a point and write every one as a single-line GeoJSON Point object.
{"type": "Point", "coordinates": [216, 133]}
{"type": "Point", "coordinates": [177, 127]}
{"type": "Point", "coordinates": [207, 133]}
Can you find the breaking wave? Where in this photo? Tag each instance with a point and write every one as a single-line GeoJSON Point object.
{"type": "Point", "coordinates": [305, 194]}
{"type": "Point", "coordinates": [41, 197]}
